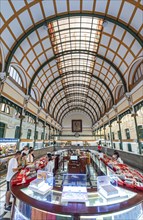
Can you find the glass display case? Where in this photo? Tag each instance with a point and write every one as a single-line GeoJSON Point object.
{"type": "Point", "coordinates": [8, 146]}
{"type": "Point", "coordinates": [74, 188]}
{"type": "Point", "coordinates": [54, 197]}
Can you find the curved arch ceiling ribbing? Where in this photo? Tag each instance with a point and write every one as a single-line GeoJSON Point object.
{"type": "Point", "coordinates": [76, 109]}
{"type": "Point", "coordinates": [80, 101]}
{"type": "Point", "coordinates": [79, 72]}
{"type": "Point", "coordinates": [25, 35]}
{"type": "Point", "coordinates": [91, 59]}
{"type": "Point", "coordinates": [81, 95]}
{"type": "Point", "coordinates": [58, 55]}
{"type": "Point", "coordinates": [71, 87]}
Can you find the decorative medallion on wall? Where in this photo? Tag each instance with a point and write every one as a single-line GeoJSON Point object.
{"type": "Point", "coordinates": [77, 134]}
{"type": "Point", "coordinates": [76, 125]}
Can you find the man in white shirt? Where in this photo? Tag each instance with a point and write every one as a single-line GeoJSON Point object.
{"type": "Point", "coordinates": [25, 150]}
{"type": "Point", "coordinates": [11, 170]}
{"type": "Point", "coordinates": [50, 165]}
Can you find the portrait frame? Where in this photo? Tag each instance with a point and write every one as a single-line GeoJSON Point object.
{"type": "Point", "coordinates": [77, 125]}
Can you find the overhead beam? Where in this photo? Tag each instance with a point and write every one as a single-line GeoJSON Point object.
{"type": "Point", "coordinates": [83, 51]}
{"type": "Point", "coordinates": [78, 106]}
{"type": "Point", "coordinates": [73, 109]}
{"type": "Point", "coordinates": [68, 74]}
{"type": "Point", "coordinates": [73, 85]}
{"type": "Point", "coordinates": [72, 94]}
{"type": "Point", "coordinates": [48, 20]}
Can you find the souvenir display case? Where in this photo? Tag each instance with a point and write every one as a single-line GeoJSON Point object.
{"type": "Point", "coordinates": [109, 201]}
{"type": "Point", "coordinates": [74, 188]}
{"type": "Point", "coordinates": [30, 205]}
{"type": "Point", "coordinates": [8, 146]}
{"type": "Point", "coordinates": [127, 176]}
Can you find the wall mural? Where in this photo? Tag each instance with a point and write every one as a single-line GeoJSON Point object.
{"type": "Point", "coordinates": [76, 125]}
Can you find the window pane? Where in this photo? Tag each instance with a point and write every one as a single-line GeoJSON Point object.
{"type": "Point", "coordinates": [17, 132]}
{"type": "Point", "coordinates": [2, 129]}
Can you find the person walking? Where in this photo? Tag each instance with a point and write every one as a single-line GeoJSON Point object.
{"type": "Point", "coordinates": [11, 170]}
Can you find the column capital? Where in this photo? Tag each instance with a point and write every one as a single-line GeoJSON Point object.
{"type": "Point", "coordinates": [3, 76]}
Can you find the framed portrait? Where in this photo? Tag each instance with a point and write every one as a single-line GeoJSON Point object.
{"type": "Point", "coordinates": [76, 125]}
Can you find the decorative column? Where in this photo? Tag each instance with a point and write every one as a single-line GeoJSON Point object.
{"type": "Point", "coordinates": [119, 123]}
{"type": "Point", "coordinates": [95, 134]}
{"type": "Point", "coordinates": [111, 141]}
{"type": "Point", "coordinates": [104, 128]}
{"type": "Point", "coordinates": [44, 127]}
{"type": "Point", "coordinates": [134, 115]}
{"type": "Point", "coordinates": [100, 132]}
{"type": "Point", "coordinates": [21, 117]}
{"type": "Point", "coordinates": [2, 80]}
{"type": "Point", "coordinates": [49, 135]}
{"type": "Point", "coordinates": [120, 136]}
{"type": "Point", "coordinates": [36, 123]}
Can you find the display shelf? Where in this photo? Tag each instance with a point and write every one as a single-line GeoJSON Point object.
{"type": "Point", "coordinates": [8, 146]}
{"type": "Point", "coordinates": [33, 205]}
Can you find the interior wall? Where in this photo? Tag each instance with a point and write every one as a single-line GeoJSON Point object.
{"type": "Point", "coordinates": [86, 125]}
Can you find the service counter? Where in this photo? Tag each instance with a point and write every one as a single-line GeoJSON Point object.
{"type": "Point", "coordinates": [31, 205]}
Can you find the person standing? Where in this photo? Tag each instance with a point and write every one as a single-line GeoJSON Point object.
{"type": "Point", "coordinates": [11, 170]}
{"type": "Point", "coordinates": [25, 150]}
{"type": "Point", "coordinates": [116, 158]}
{"type": "Point", "coordinates": [30, 158]}
{"type": "Point", "coordinates": [100, 153]}
{"type": "Point", "coordinates": [50, 165]}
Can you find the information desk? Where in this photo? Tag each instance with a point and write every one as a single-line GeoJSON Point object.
{"type": "Point", "coordinates": [30, 205]}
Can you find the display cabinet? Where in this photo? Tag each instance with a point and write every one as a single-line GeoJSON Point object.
{"type": "Point", "coordinates": [30, 205]}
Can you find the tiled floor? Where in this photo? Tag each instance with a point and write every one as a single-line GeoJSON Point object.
{"type": "Point", "coordinates": [3, 215]}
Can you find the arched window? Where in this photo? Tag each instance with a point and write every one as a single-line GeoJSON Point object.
{"type": "Point", "coordinates": [121, 92]}
{"type": "Point", "coordinates": [5, 108]}
{"type": "Point", "coordinates": [15, 75]}
{"type": "Point", "coordinates": [33, 95]}
{"type": "Point", "coordinates": [138, 73]}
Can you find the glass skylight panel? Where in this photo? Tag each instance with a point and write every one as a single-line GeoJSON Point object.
{"type": "Point", "coordinates": [79, 35]}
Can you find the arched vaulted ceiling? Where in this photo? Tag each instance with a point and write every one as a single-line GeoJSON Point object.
{"type": "Point", "coordinates": [74, 54]}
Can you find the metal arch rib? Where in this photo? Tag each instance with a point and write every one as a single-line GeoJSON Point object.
{"type": "Point", "coordinates": [80, 95]}
{"type": "Point", "coordinates": [74, 108]}
{"type": "Point", "coordinates": [73, 86]}
{"type": "Point", "coordinates": [79, 101]}
{"type": "Point", "coordinates": [84, 51]}
{"type": "Point", "coordinates": [25, 35]}
{"type": "Point", "coordinates": [71, 72]}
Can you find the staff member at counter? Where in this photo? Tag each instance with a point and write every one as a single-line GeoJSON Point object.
{"type": "Point", "coordinates": [50, 165]}
{"type": "Point", "coordinates": [11, 170]}
{"type": "Point", "coordinates": [30, 158]}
